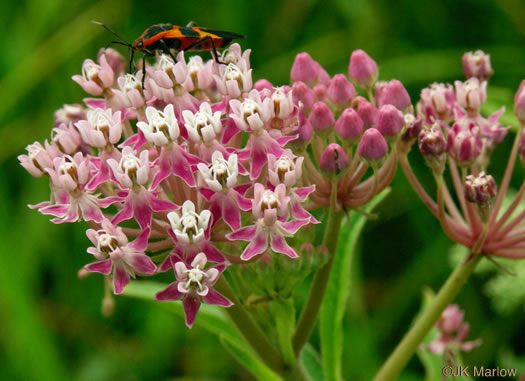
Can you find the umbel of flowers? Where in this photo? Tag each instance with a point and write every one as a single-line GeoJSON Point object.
{"type": "Point", "coordinates": [170, 175]}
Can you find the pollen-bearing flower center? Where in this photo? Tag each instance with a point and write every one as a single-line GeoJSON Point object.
{"type": "Point", "coordinates": [220, 171]}
{"type": "Point", "coordinates": [131, 83]}
{"type": "Point", "coordinates": [107, 243]}
{"type": "Point", "coordinates": [249, 108]}
{"type": "Point", "coordinates": [283, 165]}
{"type": "Point", "coordinates": [130, 164]}
{"type": "Point", "coordinates": [269, 201]}
{"type": "Point", "coordinates": [158, 123]}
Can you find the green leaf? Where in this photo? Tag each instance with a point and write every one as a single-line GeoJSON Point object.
{"type": "Point", "coordinates": [284, 314]}
{"type": "Point", "coordinates": [312, 363]}
{"type": "Point", "coordinates": [334, 303]}
{"type": "Point", "coordinates": [210, 317]}
{"type": "Point", "coordinates": [246, 359]}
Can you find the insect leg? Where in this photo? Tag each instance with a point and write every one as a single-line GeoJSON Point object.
{"type": "Point", "coordinates": [214, 49]}
{"type": "Point", "coordinates": [190, 24]}
{"type": "Point", "coordinates": [166, 49]}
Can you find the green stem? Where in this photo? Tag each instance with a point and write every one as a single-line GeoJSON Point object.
{"type": "Point", "coordinates": [250, 330]}
{"type": "Point", "coordinates": [409, 344]}
{"type": "Point", "coordinates": [317, 289]}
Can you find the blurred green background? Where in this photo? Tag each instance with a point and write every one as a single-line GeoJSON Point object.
{"type": "Point", "coordinates": [51, 327]}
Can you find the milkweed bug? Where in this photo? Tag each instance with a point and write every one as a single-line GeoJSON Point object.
{"type": "Point", "coordinates": [167, 37]}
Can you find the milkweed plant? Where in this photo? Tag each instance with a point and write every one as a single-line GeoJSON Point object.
{"type": "Point", "coordinates": [233, 193]}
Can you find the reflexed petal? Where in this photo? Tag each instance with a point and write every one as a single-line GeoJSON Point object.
{"type": "Point", "coordinates": [141, 263]}
{"type": "Point", "coordinates": [102, 267]}
{"type": "Point", "coordinates": [259, 157]}
{"type": "Point", "coordinates": [279, 245]}
{"type": "Point", "coordinates": [258, 246]}
{"type": "Point", "coordinates": [124, 214]}
{"type": "Point", "coordinates": [231, 213]}
{"type": "Point", "coordinates": [120, 278]}
{"type": "Point", "coordinates": [303, 193]}
{"type": "Point", "coordinates": [191, 307]}
{"type": "Point", "coordinates": [141, 242]}
{"type": "Point", "coordinates": [214, 298]}
{"type": "Point", "coordinates": [142, 210]}
{"type": "Point", "coordinates": [169, 293]}
{"type": "Point", "coordinates": [244, 234]}
{"type": "Point", "coordinates": [212, 253]}
{"type": "Point", "coordinates": [181, 167]}
{"type": "Point", "coordinates": [292, 227]}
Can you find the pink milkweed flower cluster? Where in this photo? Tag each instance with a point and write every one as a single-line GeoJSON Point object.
{"type": "Point", "coordinates": [456, 135]}
{"type": "Point", "coordinates": [176, 175]}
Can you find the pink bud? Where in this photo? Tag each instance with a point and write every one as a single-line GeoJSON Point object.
{"type": "Point", "coordinates": [115, 60]}
{"type": "Point", "coordinates": [519, 103]}
{"type": "Point", "coordinates": [367, 112]}
{"type": "Point", "coordinates": [477, 64]}
{"type": "Point", "coordinates": [340, 90]}
{"type": "Point", "coordinates": [320, 92]}
{"type": "Point", "coordinates": [334, 159]}
{"type": "Point", "coordinates": [390, 121]}
{"type": "Point", "coordinates": [304, 94]}
{"type": "Point", "coordinates": [392, 93]}
{"type": "Point", "coordinates": [262, 84]}
{"type": "Point", "coordinates": [349, 125]}
{"type": "Point", "coordinates": [321, 117]}
{"type": "Point", "coordinates": [362, 69]}
{"type": "Point", "coordinates": [372, 147]}
{"type": "Point", "coordinates": [304, 69]}
{"type": "Point", "coordinates": [305, 129]}
{"type": "Point", "coordinates": [450, 320]}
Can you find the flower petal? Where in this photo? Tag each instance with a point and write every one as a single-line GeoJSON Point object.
{"type": "Point", "coordinates": [244, 234]}
{"type": "Point", "coordinates": [169, 293]}
{"type": "Point", "coordinates": [120, 278]}
{"type": "Point", "coordinates": [257, 246]}
{"type": "Point", "coordinates": [216, 299]}
{"type": "Point", "coordinates": [141, 263]}
{"type": "Point", "coordinates": [279, 245]}
{"type": "Point", "coordinates": [191, 307]}
{"type": "Point", "coordinates": [102, 267]}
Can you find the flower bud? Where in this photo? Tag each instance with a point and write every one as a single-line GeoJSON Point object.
{"type": "Point", "coordinates": [519, 103]}
{"type": "Point", "coordinates": [392, 93]}
{"type": "Point", "coordinates": [450, 320]}
{"type": "Point", "coordinates": [305, 129]}
{"type": "Point", "coordinates": [372, 147]}
{"type": "Point", "coordinates": [262, 84]}
{"type": "Point", "coordinates": [349, 126]}
{"type": "Point", "coordinates": [437, 102]}
{"type": "Point", "coordinates": [334, 159]}
{"type": "Point", "coordinates": [477, 65]}
{"type": "Point", "coordinates": [471, 94]}
{"type": "Point", "coordinates": [367, 112]}
{"type": "Point", "coordinates": [320, 92]}
{"type": "Point", "coordinates": [362, 69]}
{"type": "Point", "coordinates": [340, 90]}
{"type": "Point", "coordinates": [390, 121]}
{"type": "Point", "coordinates": [304, 94]}
{"type": "Point", "coordinates": [115, 60]}
{"type": "Point", "coordinates": [433, 145]}
{"type": "Point", "coordinates": [321, 117]}
{"type": "Point", "coordinates": [464, 142]}
{"type": "Point", "coordinates": [304, 69]}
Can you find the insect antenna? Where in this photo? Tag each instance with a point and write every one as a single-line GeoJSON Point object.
{"type": "Point", "coordinates": [122, 40]}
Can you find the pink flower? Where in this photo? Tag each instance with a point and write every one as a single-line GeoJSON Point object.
{"type": "Point", "coordinates": [204, 125]}
{"type": "Point", "coordinates": [69, 113]}
{"type": "Point", "coordinates": [471, 94]}
{"type": "Point", "coordinates": [131, 92]}
{"type": "Point", "coordinates": [477, 65]}
{"type": "Point", "coordinates": [282, 103]}
{"type": "Point", "coordinates": [132, 173]}
{"type": "Point", "coordinates": [234, 80]}
{"type": "Point", "coordinates": [233, 54]}
{"type": "Point", "coordinates": [115, 255]}
{"type": "Point", "coordinates": [252, 113]}
{"type": "Point", "coordinates": [519, 103]}
{"type": "Point", "coordinates": [226, 201]}
{"type": "Point", "coordinates": [101, 128]}
{"type": "Point", "coordinates": [194, 286]}
{"type": "Point", "coordinates": [70, 175]}
{"type": "Point", "coordinates": [437, 103]}
{"type": "Point", "coordinates": [269, 207]}
{"type": "Point", "coordinates": [464, 142]}
{"type": "Point", "coordinates": [200, 74]}
{"type": "Point", "coordinates": [95, 78]}
{"type": "Point", "coordinates": [38, 158]}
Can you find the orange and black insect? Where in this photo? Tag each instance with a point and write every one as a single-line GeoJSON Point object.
{"type": "Point", "coordinates": [168, 37]}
